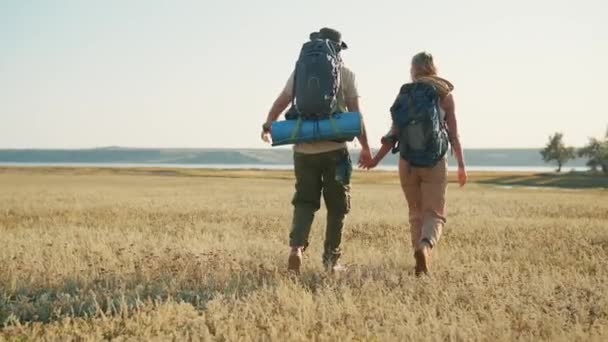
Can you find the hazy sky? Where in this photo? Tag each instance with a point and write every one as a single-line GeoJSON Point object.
{"type": "Point", "coordinates": [204, 73]}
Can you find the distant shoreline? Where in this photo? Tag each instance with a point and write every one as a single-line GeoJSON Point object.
{"type": "Point", "coordinates": [269, 167]}
{"type": "Point", "coordinates": [523, 160]}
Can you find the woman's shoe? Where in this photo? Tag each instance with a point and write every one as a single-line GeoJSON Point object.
{"type": "Point", "coordinates": [422, 256]}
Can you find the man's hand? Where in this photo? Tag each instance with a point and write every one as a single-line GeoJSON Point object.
{"type": "Point", "coordinates": [278, 107]}
{"type": "Point", "coordinates": [266, 129]}
{"type": "Point", "coordinates": [365, 157]}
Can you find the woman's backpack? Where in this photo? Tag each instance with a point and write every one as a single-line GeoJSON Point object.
{"type": "Point", "coordinates": [422, 134]}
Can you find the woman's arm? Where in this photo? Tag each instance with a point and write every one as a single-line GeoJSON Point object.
{"type": "Point", "coordinates": [382, 152]}
{"type": "Point", "coordinates": [449, 107]}
{"type": "Point", "coordinates": [387, 146]}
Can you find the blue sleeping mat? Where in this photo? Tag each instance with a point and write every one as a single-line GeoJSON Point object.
{"type": "Point", "coordinates": [344, 126]}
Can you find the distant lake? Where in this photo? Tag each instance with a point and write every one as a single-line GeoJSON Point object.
{"type": "Point", "coordinates": [508, 160]}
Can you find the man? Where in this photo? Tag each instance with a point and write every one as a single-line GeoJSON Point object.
{"type": "Point", "coordinates": [321, 168]}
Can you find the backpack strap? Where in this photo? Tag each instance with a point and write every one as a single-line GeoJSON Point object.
{"type": "Point", "coordinates": [296, 128]}
{"type": "Point", "coordinates": [293, 90]}
{"type": "Point", "coordinates": [334, 127]}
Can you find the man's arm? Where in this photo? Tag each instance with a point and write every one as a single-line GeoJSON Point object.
{"type": "Point", "coordinates": [353, 106]}
{"type": "Point", "coordinates": [279, 105]}
{"type": "Point", "coordinates": [365, 157]}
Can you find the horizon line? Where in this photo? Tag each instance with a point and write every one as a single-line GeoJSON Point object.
{"type": "Point", "coordinates": [269, 148]}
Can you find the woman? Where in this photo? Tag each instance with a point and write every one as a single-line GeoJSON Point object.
{"type": "Point", "coordinates": [425, 187]}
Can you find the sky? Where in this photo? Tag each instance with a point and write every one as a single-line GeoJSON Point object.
{"type": "Point", "coordinates": [81, 74]}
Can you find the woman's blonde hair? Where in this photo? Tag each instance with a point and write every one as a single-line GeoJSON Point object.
{"type": "Point", "coordinates": [423, 65]}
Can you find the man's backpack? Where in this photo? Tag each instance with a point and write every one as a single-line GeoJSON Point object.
{"type": "Point", "coordinates": [422, 134]}
{"type": "Point", "coordinates": [316, 81]}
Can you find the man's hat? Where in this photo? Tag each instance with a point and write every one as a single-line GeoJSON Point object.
{"type": "Point", "coordinates": [331, 34]}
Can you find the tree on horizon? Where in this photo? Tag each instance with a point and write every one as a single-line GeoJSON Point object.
{"type": "Point", "coordinates": [557, 151]}
{"type": "Point", "coordinates": [597, 153]}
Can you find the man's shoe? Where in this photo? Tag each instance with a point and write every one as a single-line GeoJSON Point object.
{"type": "Point", "coordinates": [295, 260]}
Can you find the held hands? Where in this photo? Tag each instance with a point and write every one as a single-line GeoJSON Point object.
{"type": "Point", "coordinates": [380, 154]}
{"type": "Point", "coordinates": [370, 163]}
{"type": "Point", "coordinates": [365, 158]}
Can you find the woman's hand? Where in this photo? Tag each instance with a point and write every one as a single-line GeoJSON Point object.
{"type": "Point", "coordinates": [462, 176]}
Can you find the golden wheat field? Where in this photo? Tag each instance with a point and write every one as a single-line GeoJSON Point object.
{"type": "Point", "coordinates": [96, 255]}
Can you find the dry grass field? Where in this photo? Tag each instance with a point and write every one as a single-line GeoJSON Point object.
{"type": "Point", "coordinates": [94, 255]}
